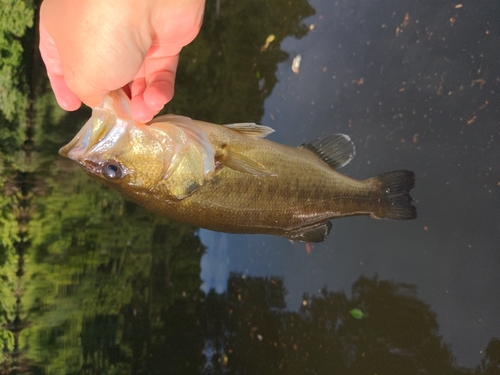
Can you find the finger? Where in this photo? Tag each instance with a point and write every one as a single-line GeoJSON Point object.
{"type": "Point", "coordinates": [66, 99]}
{"type": "Point", "coordinates": [153, 85]}
{"type": "Point", "coordinates": [139, 110]}
{"type": "Point", "coordinates": [137, 87]}
{"type": "Point", "coordinates": [50, 55]}
{"type": "Point", "coordinates": [160, 90]}
{"type": "Point", "coordinates": [159, 70]}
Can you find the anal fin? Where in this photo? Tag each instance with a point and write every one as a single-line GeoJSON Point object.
{"type": "Point", "coordinates": [315, 233]}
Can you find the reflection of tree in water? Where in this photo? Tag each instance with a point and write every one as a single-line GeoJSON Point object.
{"type": "Point", "coordinates": [490, 365]}
{"type": "Point", "coordinates": [244, 326]}
{"type": "Point", "coordinates": [223, 75]}
{"type": "Point", "coordinates": [247, 330]}
{"type": "Point", "coordinates": [399, 334]}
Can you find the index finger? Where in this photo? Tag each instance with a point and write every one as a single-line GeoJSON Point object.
{"type": "Point", "coordinates": [50, 56]}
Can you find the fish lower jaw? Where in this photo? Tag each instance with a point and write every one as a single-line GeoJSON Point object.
{"type": "Point", "coordinates": [90, 166]}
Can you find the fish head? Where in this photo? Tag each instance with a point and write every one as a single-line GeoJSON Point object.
{"type": "Point", "coordinates": [119, 151]}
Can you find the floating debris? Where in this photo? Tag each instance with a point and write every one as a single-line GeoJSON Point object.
{"type": "Point", "coordinates": [269, 40]}
{"type": "Point", "coordinates": [296, 64]}
{"type": "Point", "coordinates": [357, 314]}
{"type": "Point", "coordinates": [406, 21]}
{"type": "Point", "coordinates": [262, 83]}
{"type": "Point", "coordinates": [480, 81]}
{"type": "Point", "coordinates": [484, 105]}
{"type": "Point", "coordinates": [224, 359]}
{"type": "Point", "coordinates": [471, 120]}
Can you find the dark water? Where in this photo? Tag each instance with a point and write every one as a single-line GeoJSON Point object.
{"type": "Point", "coordinates": [92, 284]}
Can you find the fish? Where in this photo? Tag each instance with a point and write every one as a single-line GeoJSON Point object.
{"type": "Point", "coordinates": [230, 178]}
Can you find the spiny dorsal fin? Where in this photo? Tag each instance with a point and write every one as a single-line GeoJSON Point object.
{"type": "Point", "coordinates": [251, 129]}
{"type": "Point", "coordinates": [178, 120]}
{"type": "Point", "coordinates": [336, 150]}
{"type": "Point", "coordinates": [244, 164]}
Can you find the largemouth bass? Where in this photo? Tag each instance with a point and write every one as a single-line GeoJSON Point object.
{"type": "Point", "coordinates": [228, 178]}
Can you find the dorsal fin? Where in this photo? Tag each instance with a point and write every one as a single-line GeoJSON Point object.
{"type": "Point", "coordinates": [251, 129]}
{"type": "Point", "coordinates": [336, 150]}
{"type": "Point", "coordinates": [178, 120]}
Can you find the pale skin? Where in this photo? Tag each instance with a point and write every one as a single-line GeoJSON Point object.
{"type": "Point", "coordinates": [91, 47]}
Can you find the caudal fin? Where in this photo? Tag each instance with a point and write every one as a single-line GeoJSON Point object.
{"type": "Point", "coordinates": [396, 202]}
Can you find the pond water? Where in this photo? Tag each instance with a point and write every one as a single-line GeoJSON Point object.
{"type": "Point", "coordinates": [94, 284]}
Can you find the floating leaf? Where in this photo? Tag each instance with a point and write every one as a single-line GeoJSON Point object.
{"type": "Point", "coordinates": [358, 314]}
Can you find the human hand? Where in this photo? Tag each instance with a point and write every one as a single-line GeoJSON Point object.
{"type": "Point", "coordinates": [91, 47]}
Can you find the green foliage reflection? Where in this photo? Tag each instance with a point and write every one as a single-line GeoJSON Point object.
{"type": "Point", "coordinates": [398, 336]}
{"type": "Point", "coordinates": [223, 75]}
{"type": "Point", "coordinates": [92, 255]}
{"type": "Point", "coordinates": [15, 17]}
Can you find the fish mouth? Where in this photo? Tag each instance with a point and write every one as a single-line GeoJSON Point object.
{"type": "Point", "coordinates": [90, 166]}
{"type": "Point", "coordinates": [79, 145]}
{"type": "Point", "coordinates": [113, 110]}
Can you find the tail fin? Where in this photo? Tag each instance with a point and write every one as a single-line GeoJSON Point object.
{"type": "Point", "coordinates": [396, 202]}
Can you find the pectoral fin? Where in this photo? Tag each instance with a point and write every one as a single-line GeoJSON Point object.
{"type": "Point", "coordinates": [251, 129]}
{"type": "Point", "coordinates": [315, 233]}
{"type": "Point", "coordinates": [244, 164]}
{"type": "Point", "coordinates": [335, 150]}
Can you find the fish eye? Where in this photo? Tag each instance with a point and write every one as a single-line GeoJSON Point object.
{"type": "Point", "coordinates": [112, 170]}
